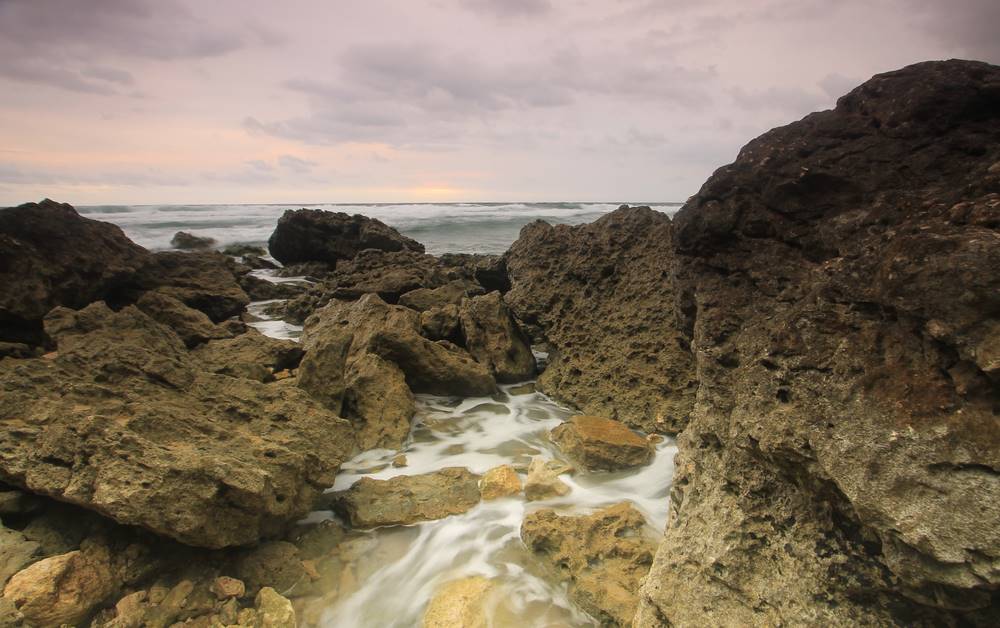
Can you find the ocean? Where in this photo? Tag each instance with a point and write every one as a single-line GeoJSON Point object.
{"type": "Point", "coordinates": [441, 227]}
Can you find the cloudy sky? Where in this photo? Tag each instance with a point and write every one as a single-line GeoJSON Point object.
{"type": "Point", "coordinates": [306, 101]}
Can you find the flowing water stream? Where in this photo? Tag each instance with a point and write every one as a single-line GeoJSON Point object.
{"type": "Point", "coordinates": [390, 574]}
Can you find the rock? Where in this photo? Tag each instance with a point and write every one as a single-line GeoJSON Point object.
{"type": "Point", "coordinates": [205, 281]}
{"type": "Point", "coordinates": [258, 289]}
{"type": "Point", "coordinates": [441, 323]}
{"type": "Point", "coordinates": [124, 422]}
{"type": "Point", "coordinates": [185, 240]}
{"type": "Point", "coordinates": [225, 587]}
{"type": "Point", "coordinates": [399, 461]}
{"type": "Point", "coordinates": [274, 564]}
{"type": "Point", "coordinates": [601, 444]}
{"type": "Point", "coordinates": [407, 499]}
{"type": "Point", "coordinates": [602, 297]}
{"type": "Point", "coordinates": [256, 262]}
{"type": "Point", "coordinates": [243, 249]}
{"type": "Point", "coordinates": [842, 320]}
{"type": "Point", "coordinates": [49, 256]}
{"type": "Point", "coordinates": [274, 611]}
{"type": "Point", "coordinates": [16, 553]}
{"type": "Point", "coordinates": [489, 271]}
{"type": "Point", "coordinates": [603, 556]}
{"type": "Point", "coordinates": [131, 610]}
{"type": "Point", "coordinates": [364, 357]}
{"type": "Point", "coordinates": [460, 603]}
{"type": "Point", "coordinates": [251, 355]}
{"type": "Point", "coordinates": [543, 479]}
{"type": "Point", "coordinates": [14, 502]}
{"type": "Point", "coordinates": [192, 326]}
{"type": "Point", "coordinates": [498, 482]}
{"type": "Point", "coordinates": [64, 589]}
{"type": "Point", "coordinates": [451, 293]}
{"type": "Point", "coordinates": [169, 609]}
{"type": "Point", "coordinates": [17, 350]}
{"type": "Point", "coordinates": [494, 339]}
{"type": "Point", "coordinates": [313, 235]}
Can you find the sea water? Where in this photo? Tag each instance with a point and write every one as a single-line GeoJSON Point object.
{"type": "Point", "coordinates": [441, 227]}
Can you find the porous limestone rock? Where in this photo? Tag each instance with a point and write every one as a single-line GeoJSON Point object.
{"type": "Point", "coordinates": [603, 556]}
{"type": "Point", "coordinates": [251, 355]}
{"type": "Point", "coordinates": [842, 463]}
{"type": "Point", "coordinates": [494, 339]}
{"type": "Point", "coordinates": [501, 481]}
{"type": "Point", "coordinates": [603, 298]}
{"type": "Point", "coordinates": [543, 479]}
{"type": "Point", "coordinates": [460, 603]}
{"type": "Point", "coordinates": [122, 421]}
{"type": "Point", "coordinates": [194, 327]}
{"type": "Point", "coordinates": [407, 499]}
{"type": "Point", "coordinates": [205, 281]}
{"type": "Point", "coordinates": [601, 444]}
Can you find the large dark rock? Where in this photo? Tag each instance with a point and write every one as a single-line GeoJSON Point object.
{"type": "Point", "coordinates": [185, 240]}
{"type": "Point", "coordinates": [123, 421]}
{"type": "Point", "coordinates": [206, 281]}
{"type": "Point", "coordinates": [314, 235]}
{"type": "Point", "coordinates": [602, 297]}
{"type": "Point", "coordinates": [841, 289]}
{"type": "Point", "coordinates": [49, 256]}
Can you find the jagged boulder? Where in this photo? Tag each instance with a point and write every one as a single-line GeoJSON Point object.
{"type": "Point", "coordinates": [251, 355]}
{"type": "Point", "coordinates": [603, 556]}
{"type": "Point", "coordinates": [843, 305]}
{"type": "Point", "coordinates": [602, 297]}
{"type": "Point", "coordinates": [194, 327]}
{"type": "Point", "coordinates": [121, 420]}
{"type": "Point", "coordinates": [49, 256]}
{"type": "Point", "coordinates": [451, 293]}
{"type": "Point", "coordinates": [314, 235]}
{"type": "Point", "coordinates": [494, 339]}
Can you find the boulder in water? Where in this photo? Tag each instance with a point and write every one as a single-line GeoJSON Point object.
{"type": "Point", "coordinates": [188, 241]}
{"type": "Point", "coordinates": [407, 499]}
{"type": "Point", "coordinates": [460, 603]}
{"type": "Point", "coordinates": [601, 444]}
{"type": "Point", "coordinates": [314, 235]}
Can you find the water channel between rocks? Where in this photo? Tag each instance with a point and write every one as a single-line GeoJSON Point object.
{"type": "Point", "coordinates": [385, 577]}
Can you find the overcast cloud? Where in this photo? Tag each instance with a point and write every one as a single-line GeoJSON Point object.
{"type": "Point", "coordinates": [136, 101]}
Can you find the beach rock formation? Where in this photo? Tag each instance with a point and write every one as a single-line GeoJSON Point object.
{"type": "Point", "coordinates": [601, 444]}
{"type": "Point", "coordinates": [185, 240]}
{"type": "Point", "coordinates": [49, 256]}
{"type": "Point", "coordinates": [603, 298]}
{"type": "Point", "coordinates": [314, 235]}
{"type": "Point", "coordinates": [407, 499]}
{"type": "Point", "coordinates": [460, 603]}
{"type": "Point", "coordinates": [251, 355]}
{"type": "Point", "coordinates": [205, 281]}
{"type": "Point", "coordinates": [192, 326]}
{"type": "Point", "coordinates": [494, 339]}
{"type": "Point", "coordinates": [122, 421]}
{"type": "Point", "coordinates": [603, 556]}
{"type": "Point", "coordinates": [842, 462]}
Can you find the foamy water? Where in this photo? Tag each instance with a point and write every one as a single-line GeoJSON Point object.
{"type": "Point", "coordinates": [393, 572]}
{"type": "Point", "coordinates": [441, 227]}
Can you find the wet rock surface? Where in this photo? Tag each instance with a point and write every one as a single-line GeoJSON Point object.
{"type": "Point", "coordinates": [603, 298]}
{"type": "Point", "coordinates": [122, 421]}
{"type": "Point", "coordinates": [408, 499]}
{"type": "Point", "coordinates": [459, 603]}
{"type": "Point", "coordinates": [843, 454]}
{"type": "Point", "coordinates": [601, 444]}
{"type": "Point", "coordinates": [603, 556]}
{"type": "Point", "coordinates": [313, 235]}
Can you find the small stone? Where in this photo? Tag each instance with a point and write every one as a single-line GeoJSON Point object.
{"type": "Point", "coordinates": [283, 374]}
{"type": "Point", "coordinates": [274, 610]}
{"type": "Point", "coordinates": [601, 444]}
{"type": "Point", "coordinates": [498, 482]}
{"type": "Point", "coordinates": [399, 461]}
{"type": "Point", "coordinates": [129, 610]}
{"type": "Point", "coordinates": [310, 568]}
{"type": "Point", "coordinates": [543, 479]}
{"type": "Point", "coordinates": [226, 587]}
{"type": "Point", "coordinates": [403, 500]}
{"type": "Point", "coordinates": [654, 439]}
{"type": "Point", "coordinates": [459, 603]}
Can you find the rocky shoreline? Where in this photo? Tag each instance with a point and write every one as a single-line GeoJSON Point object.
{"type": "Point", "coordinates": [819, 326]}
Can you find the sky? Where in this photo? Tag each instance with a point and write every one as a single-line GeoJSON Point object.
{"type": "Point", "coordinates": [312, 101]}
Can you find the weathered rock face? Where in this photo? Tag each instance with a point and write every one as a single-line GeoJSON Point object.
{"type": "Point", "coordinates": [251, 355]}
{"type": "Point", "coordinates": [601, 444]}
{"type": "Point", "coordinates": [194, 327]}
{"type": "Point", "coordinates": [543, 479]}
{"type": "Point", "coordinates": [408, 499]}
{"type": "Point", "coordinates": [452, 293]}
{"type": "Point", "coordinates": [604, 556]}
{"type": "Point", "coordinates": [460, 603]}
{"type": "Point", "coordinates": [498, 482]}
{"type": "Point", "coordinates": [49, 256]}
{"type": "Point", "coordinates": [122, 421]}
{"type": "Point", "coordinates": [313, 235]}
{"type": "Point", "coordinates": [602, 296]}
{"type": "Point", "coordinates": [205, 281]}
{"type": "Point", "coordinates": [842, 464]}
{"type": "Point", "coordinates": [494, 339]}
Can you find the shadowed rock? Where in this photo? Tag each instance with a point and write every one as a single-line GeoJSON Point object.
{"type": "Point", "coordinates": [314, 235]}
